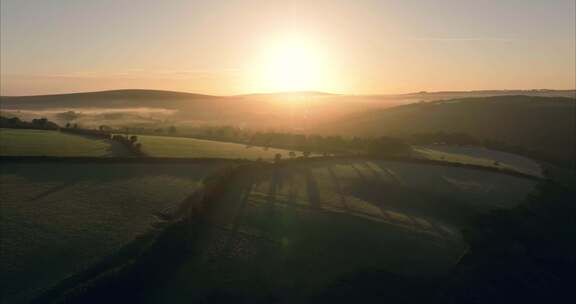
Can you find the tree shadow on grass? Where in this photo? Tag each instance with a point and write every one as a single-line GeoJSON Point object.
{"type": "Point", "coordinates": [312, 189]}
{"type": "Point", "coordinates": [116, 149]}
{"type": "Point", "coordinates": [337, 185]}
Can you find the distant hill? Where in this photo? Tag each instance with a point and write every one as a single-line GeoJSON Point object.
{"type": "Point", "coordinates": [266, 111]}
{"type": "Point", "coordinates": [299, 111]}
{"type": "Point", "coordinates": [178, 100]}
{"type": "Point", "coordinates": [542, 123]}
{"type": "Point", "coordinates": [104, 99]}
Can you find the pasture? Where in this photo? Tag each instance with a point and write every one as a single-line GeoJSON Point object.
{"type": "Point", "coordinates": [480, 156]}
{"type": "Point", "coordinates": [24, 142]}
{"type": "Point", "coordinates": [163, 146]}
{"type": "Point", "coordinates": [60, 218]}
{"type": "Point", "coordinates": [295, 229]}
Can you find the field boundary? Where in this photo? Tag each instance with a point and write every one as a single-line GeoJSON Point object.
{"type": "Point", "coordinates": [418, 161]}
{"type": "Point", "coordinates": [162, 160]}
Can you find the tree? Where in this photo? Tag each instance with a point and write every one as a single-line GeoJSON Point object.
{"type": "Point", "coordinates": [104, 128]}
{"type": "Point", "coordinates": [277, 157]}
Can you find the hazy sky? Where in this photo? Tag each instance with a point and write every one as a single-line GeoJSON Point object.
{"type": "Point", "coordinates": [231, 46]}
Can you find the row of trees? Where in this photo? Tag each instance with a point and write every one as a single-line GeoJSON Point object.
{"type": "Point", "coordinates": [331, 145]}
{"type": "Point", "coordinates": [129, 142]}
{"type": "Point", "coordinates": [444, 138]}
{"type": "Point", "coordinates": [86, 132]}
{"type": "Point", "coordinates": [16, 123]}
{"type": "Point", "coordinates": [306, 144]}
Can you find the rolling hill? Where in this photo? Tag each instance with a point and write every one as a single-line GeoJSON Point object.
{"type": "Point", "coordinates": [298, 111]}
{"type": "Point", "coordinates": [540, 123]}
{"type": "Point", "coordinates": [541, 120]}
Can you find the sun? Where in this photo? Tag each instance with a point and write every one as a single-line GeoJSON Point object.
{"type": "Point", "coordinates": [291, 64]}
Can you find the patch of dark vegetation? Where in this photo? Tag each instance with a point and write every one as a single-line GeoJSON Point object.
{"type": "Point", "coordinates": [522, 255]}
{"type": "Point", "coordinates": [377, 286]}
{"type": "Point", "coordinates": [37, 124]}
{"type": "Point", "coordinates": [74, 129]}
{"type": "Point", "coordinates": [130, 143]}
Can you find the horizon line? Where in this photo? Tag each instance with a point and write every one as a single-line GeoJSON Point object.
{"type": "Point", "coordinates": [297, 92]}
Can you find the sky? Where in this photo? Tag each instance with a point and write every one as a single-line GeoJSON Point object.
{"type": "Point", "coordinates": [227, 47]}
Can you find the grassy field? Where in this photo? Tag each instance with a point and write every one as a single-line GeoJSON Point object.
{"type": "Point", "coordinates": [21, 142]}
{"type": "Point", "coordinates": [163, 146]}
{"type": "Point", "coordinates": [482, 157]}
{"type": "Point", "coordinates": [293, 231]}
{"type": "Point", "coordinates": [58, 219]}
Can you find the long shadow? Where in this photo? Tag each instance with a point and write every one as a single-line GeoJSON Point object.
{"type": "Point", "coordinates": [275, 183]}
{"type": "Point", "coordinates": [116, 149]}
{"type": "Point", "coordinates": [312, 189]}
{"type": "Point", "coordinates": [360, 174]}
{"type": "Point", "coordinates": [247, 190]}
{"type": "Point", "coordinates": [384, 212]}
{"type": "Point", "coordinates": [377, 175]}
{"type": "Point", "coordinates": [413, 204]}
{"type": "Point", "coordinates": [338, 187]}
{"type": "Point", "coordinates": [272, 199]}
{"type": "Point", "coordinates": [292, 189]}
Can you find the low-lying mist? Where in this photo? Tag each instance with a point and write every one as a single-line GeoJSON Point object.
{"type": "Point", "coordinates": [95, 117]}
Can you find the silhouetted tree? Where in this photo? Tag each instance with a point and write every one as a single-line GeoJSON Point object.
{"type": "Point", "coordinates": [277, 157]}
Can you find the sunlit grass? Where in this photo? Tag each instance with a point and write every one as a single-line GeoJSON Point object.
{"type": "Point", "coordinates": [21, 142]}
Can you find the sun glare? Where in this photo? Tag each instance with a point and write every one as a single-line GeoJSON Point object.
{"type": "Point", "coordinates": [291, 64]}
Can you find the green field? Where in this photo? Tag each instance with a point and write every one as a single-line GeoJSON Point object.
{"type": "Point", "coordinates": [294, 230]}
{"type": "Point", "coordinates": [480, 156]}
{"type": "Point", "coordinates": [58, 219]}
{"type": "Point", "coordinates": [163, 146]}
{"type": "Point", "coordinates": [22, 142]}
